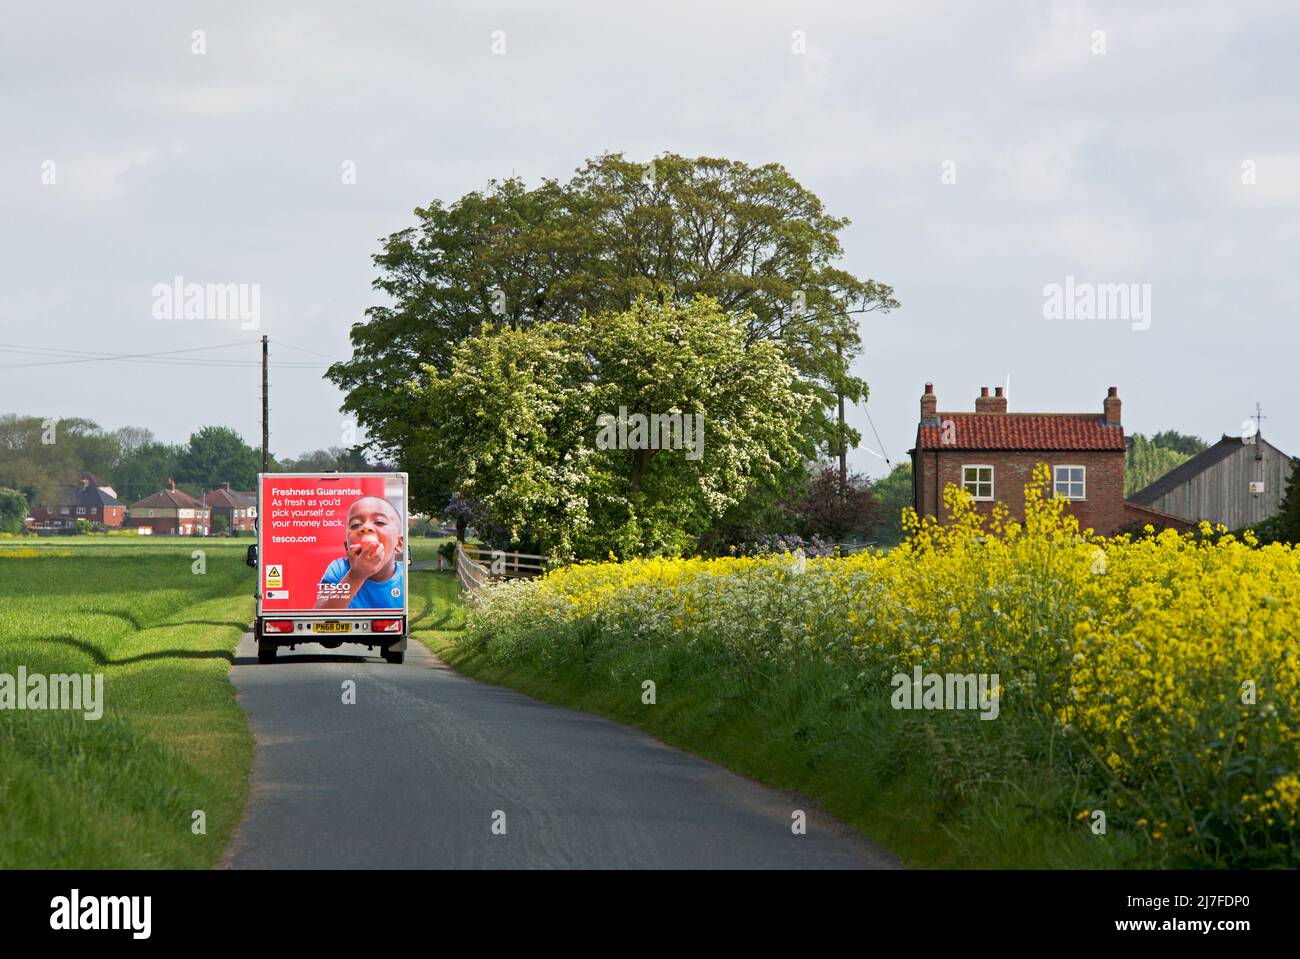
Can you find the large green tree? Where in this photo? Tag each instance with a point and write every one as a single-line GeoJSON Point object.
{"type": "Point", "coordinates": [751, 237]}
{"type": "Point", "coordinates": [215, 455]}
{"type": "Point", "coordinates": [39, 456]}
{"type": "Point", "coordinates": [1184, 443]}
{"type": "Point", "coordinates": [144, 469]}
{"type": "Point", "coordinates": [529, 420]}
{"type": "Point", "coordinates": [1149, 459]}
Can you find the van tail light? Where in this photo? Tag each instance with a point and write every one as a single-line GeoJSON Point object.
{"type": "Point", "coordinates": [277, 626]}
{"type": "Point", "coordinates": [386, 625]}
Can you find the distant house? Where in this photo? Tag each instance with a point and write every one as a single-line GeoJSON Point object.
{"type": "Point", "coordinates": [240, 511]}
{"type": "Point", "coordinates": [90, 500]}
{"type": "Point", "coordinates": [991, 453]}
{"type": "Point", "coordinates": [1237, 482]}
{"type": "Point", "coordinates": [98, 483]}
{"type": "Point", "coordinates": [172, 512]}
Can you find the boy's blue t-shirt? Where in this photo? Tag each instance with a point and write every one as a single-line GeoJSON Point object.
{"type": "Point", "coordinates": [372, 594]}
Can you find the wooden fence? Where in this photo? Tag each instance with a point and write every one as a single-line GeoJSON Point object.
{"type": "Point", "coordinates": [848, 549]}
{"type": "Point", "coordinates": [477, 568]}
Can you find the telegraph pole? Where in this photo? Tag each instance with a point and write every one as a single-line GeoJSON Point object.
{"type": "Point", "coordinates": [266, 430]}
{"type": "Point", "coordinates": [844, 445]}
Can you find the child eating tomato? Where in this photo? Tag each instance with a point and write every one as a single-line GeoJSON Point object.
{"type": "Point", "coordinates": [370, 573]}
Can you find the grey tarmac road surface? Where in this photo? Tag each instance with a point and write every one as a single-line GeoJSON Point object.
{"type": "Point", "coordinates": [412, 775]}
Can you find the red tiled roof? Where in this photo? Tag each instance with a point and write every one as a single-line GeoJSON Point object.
{"type": "Point", "coordinates": [169, 499]}
{"type": "Point", "coordinates": [1020, 431]}
{"type": "Point", "coordinates": [222, 498]}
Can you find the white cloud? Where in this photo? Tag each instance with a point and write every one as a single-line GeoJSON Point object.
{"type": "Point", "coordinates": [211, 100]}
{"type": "Point", "coordinates": [1120, 167]}
{"type": "Point", "coordinates": [100, 177]}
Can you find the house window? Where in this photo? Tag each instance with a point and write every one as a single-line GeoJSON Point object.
{"type": "Point", "coordinates": [81, 511]}
{"type": "Point", "coordinates": [978, 481]}
{"type": "Point", "coordinates": [63, 511]}
{"type": "Point", "coordinates": [1068, 481]}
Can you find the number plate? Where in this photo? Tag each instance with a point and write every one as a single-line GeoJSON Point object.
{"type": "Point", "coordinates": [331, 627]}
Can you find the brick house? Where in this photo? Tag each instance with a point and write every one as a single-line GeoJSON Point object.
{"type": "Point", "coordinates": [992, 453]}
{"type": "Point", "coordinates": [90, 500]}
{"type": "Point", "coordinates": [240, 511]}
{"type": "Point", "coordinates": [171, 511]}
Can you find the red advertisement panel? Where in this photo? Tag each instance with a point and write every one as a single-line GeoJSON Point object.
{"type": "Point", "coordinates": [334, 542]}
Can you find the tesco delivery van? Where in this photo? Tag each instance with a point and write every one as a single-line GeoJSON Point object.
{"type": "Point", "coordinates": [331, 560]}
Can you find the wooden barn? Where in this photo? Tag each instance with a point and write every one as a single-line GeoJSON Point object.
{"type": "Point", "coordinates": [1237, 482]}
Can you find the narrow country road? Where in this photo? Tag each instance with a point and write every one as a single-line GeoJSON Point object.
{"type": "Point", "coordinates": [416, 772]}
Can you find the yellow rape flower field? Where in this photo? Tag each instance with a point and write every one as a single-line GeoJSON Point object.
{"type": "Point", "coordinates": [1147, 690]}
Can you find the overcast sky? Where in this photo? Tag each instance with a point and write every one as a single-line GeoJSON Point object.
{"type": "Point", "coordinates": [1132, 165]}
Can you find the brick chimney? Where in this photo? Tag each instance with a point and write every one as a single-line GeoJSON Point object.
{"type": "Point", "coordinates": [226, 487]}
{"type": "Point", "coordinates": [990, 404]}
{"type": "Point", "coordinates": [929, 405]}
{"type": "Point", "coordinates": [1110, 406]}
{"type": "Point", "coordinates": [171, 483]}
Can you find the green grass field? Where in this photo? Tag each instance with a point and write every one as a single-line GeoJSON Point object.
{"type": "Point", "coordinates": [121, 791]}
{"type": "Point", "coordinates": [425, 549]}
{"type": "Point", "coordinates": [437, 614]}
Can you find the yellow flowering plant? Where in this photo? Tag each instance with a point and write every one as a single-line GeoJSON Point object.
{"type": "Point", "coordinates": [1159, 675]}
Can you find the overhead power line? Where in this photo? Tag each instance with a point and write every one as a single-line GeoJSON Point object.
{"type": "Point", "coordinates": [92, 356]}
{"type": "Point", "coordinates": [873, 430]}
{"type": "Point", "coordinates": [65, 356]}
{"type": "Point", "coordinates": [303, 349]}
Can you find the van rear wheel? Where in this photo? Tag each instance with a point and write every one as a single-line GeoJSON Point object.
{"type": "Point", "coordinates": [266, 653]}
{"type": "Point", "coordinates": [395, 657]}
